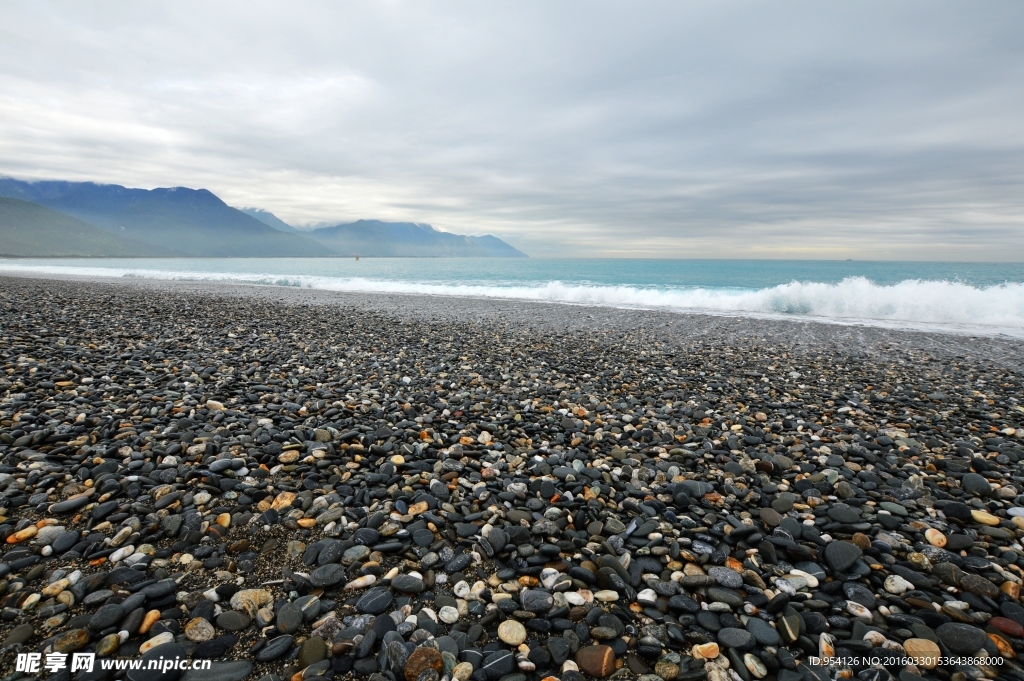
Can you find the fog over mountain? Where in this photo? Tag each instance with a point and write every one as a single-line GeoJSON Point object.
{"type": "Point", "coordinates": [268, 218]}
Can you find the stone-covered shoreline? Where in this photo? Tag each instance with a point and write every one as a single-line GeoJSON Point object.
{"type": "Point", "coordinates": [301, 485]}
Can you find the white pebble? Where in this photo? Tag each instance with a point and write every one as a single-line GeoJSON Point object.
{"type": "Point", "coordinates": [121, 554]}
{"type": "Point", "coordinates": [875, 638]}
{"type": "Point", "coordinates": [361, 582]}
{"type": "Point", "coordinates": [647, 596]}
{"type": "Point", "coordinates": [858, 611]}
{"type": "Point", "coordinates": [785, 587]}
{"type": "Point", "coordinates": [895, 584]}
{"type": "Point", "coordinates": [573, 598]}
{"type": "Point", "coordinates": [812, 581]}
{"type": "Point", "coordinates": [548, 577]}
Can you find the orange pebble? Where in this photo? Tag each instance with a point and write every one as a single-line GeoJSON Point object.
{"type": "Point", "coordinates": [22, 535]}
{"type": "Point", "coordinates": [151, 618]}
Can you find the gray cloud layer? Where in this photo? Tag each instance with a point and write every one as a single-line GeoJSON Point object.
{"type": "Point", "coordinates": [719, 129]}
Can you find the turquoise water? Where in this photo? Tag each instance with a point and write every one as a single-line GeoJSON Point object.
{"type": "Point", "coordinates": [972, 297]}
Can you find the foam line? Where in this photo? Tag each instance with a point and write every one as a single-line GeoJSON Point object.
{"type": "Point", "coordinates": [913, 302]}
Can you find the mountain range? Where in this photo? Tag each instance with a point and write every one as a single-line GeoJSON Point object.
{"type": "Point", "coordinates": [55, 218]}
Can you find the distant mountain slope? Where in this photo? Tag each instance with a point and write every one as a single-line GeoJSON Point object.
{"type": "Point", "coordinates": [186, 221]}
{"type": "Point", "coordinates": [373, 238]}
{"type": "Point", "coordinates": [195, 222]}
{"type": "Point", "coordinates": [268, 218]}
{"type": "Point", "coordinates": [28, 229]}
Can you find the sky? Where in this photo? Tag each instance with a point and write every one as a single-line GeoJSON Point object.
{"type": "Point", "coordinates": [657, 129]}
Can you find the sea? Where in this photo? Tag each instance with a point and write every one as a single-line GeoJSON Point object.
{"type": "Point", "coordinates": [971, 298]}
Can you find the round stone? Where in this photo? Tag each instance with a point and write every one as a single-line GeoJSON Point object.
{"type": "Point", "coordinates": [597, 661]}
{"type": "Point", "coordinates": [251, 600]}
{"type": "Point", "coordinates": [407, 584]}
{"type": "Point", "coordinates": [844, 514]}
{"type": "Point", "coordinates": [740, 639]}
{"type": "Point", "coordinates": [65, 541]}
{"type": "Point", "coordinates": [462, 671]}
{"type": "Point", "coordinates": [466, 530]}
{"type": "Point", "coordinates": [755, 666]}
{"type": "Point", "coordinates": [961, 638]}
{"type": "Point", "coordinates": [512, 632]}
{"type": "Point", "coordinates": [978, 585]}
{"type": "Point", "coordinates": [957, 510]}
{"type": "Point", "coordinates": [107, 616]}
{"type": "Point", "coordinates": [934, 537]}
{"type": "Point", "coordinates": [705, 651]}
{"type": "Point", "coordinates": [198, 629]}
{"type": "Point", "coordinates": [422, 659]}
{"type": "Point", "coordinates": [289, 618]}
{"type": "Point", "coordinates": [976, 485]}
{"type": "Point", "coordinates": [726, 577]}
{"type": "Point", "coordinates": [534, 600]}
{"type": "Point", "coordinates": [1007, 626]}
{"type": "Point", "coordinates": [327, 575]}
{"type": "Point", "coordinates": [375, 601]}
{"type": "Point", "coordinates": [770, 517]}
{"type": "Point", "coordinates": [666, 670]}
{"type": "Point", "coordinates": [841, 555]}
{"type": "Point", "coordinates": [18, 634]}
{"type": "Point", "coordinates": [161, 639]}
{"type": "Point", "coordinates": [895, 584]}
{"type": "Point", "coordinates": [233, 620]}
{"type": "Point", "coordinates": [312, 651]}
{"type": "Point", "coordinates": [275, 648]}
{"type": "Point", "coordinates": [985, 518]}
{"type": "Point", "coordinates": [925, 653]}
{"type": "Point", "coordinates": [108, 645]}
{"type": "Point", "coordinates": [763, 633]}
{"type": "Point", "coordinates": [355, 553]}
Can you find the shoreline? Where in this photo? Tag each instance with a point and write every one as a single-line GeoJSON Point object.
{"type": "Point", "coordinates": [527, 294]}
{"type": "Point", "coordinates": [666, 326]}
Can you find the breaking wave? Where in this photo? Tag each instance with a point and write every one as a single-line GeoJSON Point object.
{"type": "Point", "coordinates": [939, 305]}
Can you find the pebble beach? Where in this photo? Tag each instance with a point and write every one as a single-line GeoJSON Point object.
{"type": "Point", "coordinates": [303, 485]}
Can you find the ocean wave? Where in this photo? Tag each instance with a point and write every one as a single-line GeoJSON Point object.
{"type": "Point", "coordinates": [946, 304]}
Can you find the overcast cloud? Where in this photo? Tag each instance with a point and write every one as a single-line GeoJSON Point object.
{"type": "Point", "coordinates": [720, 129]}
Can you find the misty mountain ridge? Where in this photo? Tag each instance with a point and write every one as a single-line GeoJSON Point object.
{"type": "Point", "coordinates": [268, 218]}
{"type": "Point", "coordinates": [376, 238]}
{"type": "Point", "coordinates": [195, 222]}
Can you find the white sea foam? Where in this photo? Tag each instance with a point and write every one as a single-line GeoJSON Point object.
{"type": "Point", "coordinates": [938, 305]}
